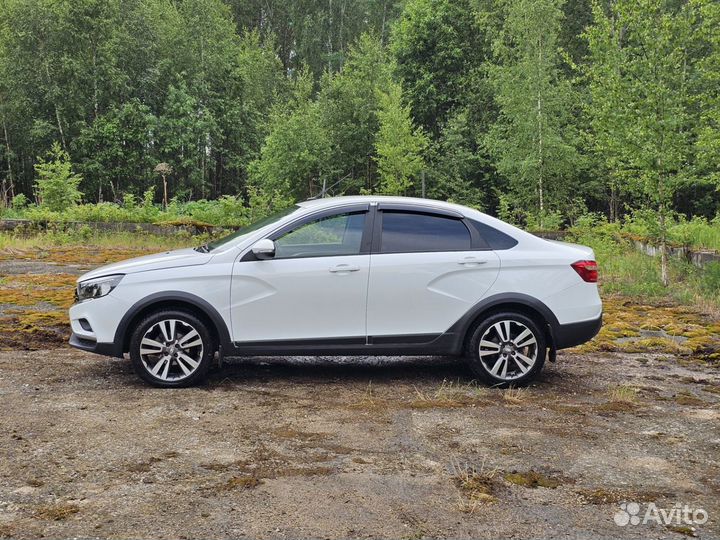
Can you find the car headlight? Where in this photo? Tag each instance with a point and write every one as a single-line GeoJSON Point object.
{"type": "Point", "coordinates": [97, 287]}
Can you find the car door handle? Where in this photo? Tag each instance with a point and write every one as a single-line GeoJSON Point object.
{"type": "Point", "coordinates": [342, 268]}
{"type": "Point", "coordinates": [471, 261]}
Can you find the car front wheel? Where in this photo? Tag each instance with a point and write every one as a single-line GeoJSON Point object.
{"type": "Point", "coordinates": [507, 349]}
{"type": "Point", "coordinates": [171, 348]}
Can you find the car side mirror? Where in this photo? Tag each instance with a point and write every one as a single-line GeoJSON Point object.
{"type": "Point", "coordinates": [264, 249]}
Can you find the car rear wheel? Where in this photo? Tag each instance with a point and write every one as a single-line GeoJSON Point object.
{"type": "Point", "coordinates": [171, 348]}
{"type": "Point", "coordinates": [507, 349]}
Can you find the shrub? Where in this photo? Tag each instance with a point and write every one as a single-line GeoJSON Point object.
{"type": "Point", "coordinates": [711, 278]}
{"type": "Point", "coordinates": [57, 185]}
{"type": "Point", "coordinates": [19, 202]}
{"type": "Point", "coordinates": [545, 221]}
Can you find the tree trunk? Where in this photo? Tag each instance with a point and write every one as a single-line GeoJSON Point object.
{"type": "Point", "coordinates": [663, 247]}
{"type": "Point", "coordinates": [382, 26]}
{"type": "Point", "coordinates": [11, 187]}
{"type": "Point", "coordinates": [329, 41]}
{"type": "Point", "coordinates": [541, 158]}
{"type": "Point", "coordinates": [57, 113]}
{"type": "Point", "coordinates": [165, 198]}
{"type": "Point", "coordinates": [95, 83]}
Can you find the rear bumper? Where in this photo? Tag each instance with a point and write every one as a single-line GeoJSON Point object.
{"type": "Point", "coordinates": [570, 335]}
{"type": "Point", "coordinates": [107, 349]}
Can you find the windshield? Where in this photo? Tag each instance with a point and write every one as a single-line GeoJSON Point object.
{"type": "Point", "coordinates": [246, 230]}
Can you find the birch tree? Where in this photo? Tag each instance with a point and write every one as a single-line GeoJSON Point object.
{"type": "Point", "coordinates": [533, 140]}
{"type": "Point", "coordinates": [639, 73]}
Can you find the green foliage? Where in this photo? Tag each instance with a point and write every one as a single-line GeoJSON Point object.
{"type": "Point", "coordinates": [294, 157]}
{"type": "Point", "coordinates": [349, 102]}
{"type": "Point", "coordinates": [456, 168]}
{"type": "Point", "coordinates": [642, 107]}
{"type": "Point", "coordinates": [533, 139]}
{"type": "Point", "coordinates": [625, 271]}
{"type": "Point", "coordinates": [707, 145]}
{"type": "Point", "coordinates": [440, 46]}
{"type": "Point", "coordinates": [56, 183]}
{"type": "Point", "coordinates": [114, 149]}
{"type": "Point", "coordinates": [227, 211]}
{"type": "Point", "coordinates": [19, 201]}
{"type": "Point", "coordinates": [544, 221]}
{"type": "Point", "coordinates": [399, 146]}
{"type": "Point", "coordinates": [524, 108]}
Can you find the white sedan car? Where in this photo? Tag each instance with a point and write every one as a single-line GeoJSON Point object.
{"type": "Point", "coordinates": [364, 275]}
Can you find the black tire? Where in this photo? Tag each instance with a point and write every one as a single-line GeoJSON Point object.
{"type": "Point", "coordinates": [174, 356]}
{"type": "Point", "coordinates": [488, 366]}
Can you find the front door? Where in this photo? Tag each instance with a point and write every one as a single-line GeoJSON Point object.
{"type": "Point", "coordinates": [315, 287]}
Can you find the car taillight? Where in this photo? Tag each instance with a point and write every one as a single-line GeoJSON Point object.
{"type": "Point", "coordinates": [587, 270]}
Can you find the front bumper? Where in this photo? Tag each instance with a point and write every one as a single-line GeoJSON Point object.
{"type": "Point", "coordinates": [570, 335]}
{"type": "Point", "coordinates": [89, 345]}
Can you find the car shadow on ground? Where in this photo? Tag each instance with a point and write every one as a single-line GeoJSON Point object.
{"type": "Point", "coordinates": [318, 369]}
{"type": "Point", "coordinates": [428, 371]}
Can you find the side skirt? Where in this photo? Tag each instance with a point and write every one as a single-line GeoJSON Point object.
{"type": "Point", "coordinates": [401, 345]}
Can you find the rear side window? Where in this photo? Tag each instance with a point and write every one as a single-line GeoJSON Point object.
{"type": "Point", "coordinates": [495, 239]}
{"type": "Point", "coordinates": [405, 232]}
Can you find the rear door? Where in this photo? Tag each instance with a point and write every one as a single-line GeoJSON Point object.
{"type": "Point", "coordinates": [427, 269]}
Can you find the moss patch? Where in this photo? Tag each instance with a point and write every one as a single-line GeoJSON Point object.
{"type": "Point", "coordinates": [683, 529]}
{"type": "Point", "coordinates": [681, 329]}
{"type": "Point", "coordinates": [76, 254]}
{"type": "Point", "coordinates": [33, 289]}
{"type": "Point", "coordinates": [615, 496]}
{"type": "Point", "coordinates": [33, 330]}
{"type": "Point", "coordinates": [56, 512]}
{"type": "Point", "coordinates": [689, 399]}
{"type": "Point", "coordinates": [240, 482]}
{"type": "Point", "coordinates": [532, 479]}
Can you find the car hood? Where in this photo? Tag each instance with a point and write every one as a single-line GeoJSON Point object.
{"type": "Point", "coordinates": [158, 261]}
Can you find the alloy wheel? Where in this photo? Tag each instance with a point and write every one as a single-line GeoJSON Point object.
{"type": "Point", "coordinates": [171, 350]}
{"type": "Point", "coordinates": [508, 350]}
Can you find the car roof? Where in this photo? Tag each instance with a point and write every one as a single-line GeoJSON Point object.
{"type": "Point", "coordinates": [330, 202]}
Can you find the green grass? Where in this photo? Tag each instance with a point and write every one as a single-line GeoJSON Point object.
{"type": "Point", "coordinates": [627, 272]}
{"type": "Point", "coordinates": [698, 232]}
{"type": "Point", "coordinates": [88, 237]}
{"type": "Point", "coordinates": [227, 211]}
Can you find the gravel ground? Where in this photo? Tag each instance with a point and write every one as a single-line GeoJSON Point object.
{"type": "Point", "coordinates": [350, 448]}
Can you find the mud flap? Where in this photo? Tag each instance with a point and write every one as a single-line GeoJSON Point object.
{"type": "Point", "coordinates": [220, 357]}
{"type": "Point", "coordinates": [552, 354]}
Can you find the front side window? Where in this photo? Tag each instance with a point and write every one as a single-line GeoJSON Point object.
{"type": "Point", "coordinates": [340, 234]}
{"type": "Point", "coordinates": [404, 232]}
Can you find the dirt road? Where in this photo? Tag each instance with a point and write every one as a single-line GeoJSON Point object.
{"type": "Point", "coordinates": [406, 449]}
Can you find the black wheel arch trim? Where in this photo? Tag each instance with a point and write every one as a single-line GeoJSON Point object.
{"type": "Point", "coordinates": [465, 323]}
{"type": "Point", "coordinates": [195, 301]}
{"type": "Point", "coordinates": [559, 336]}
